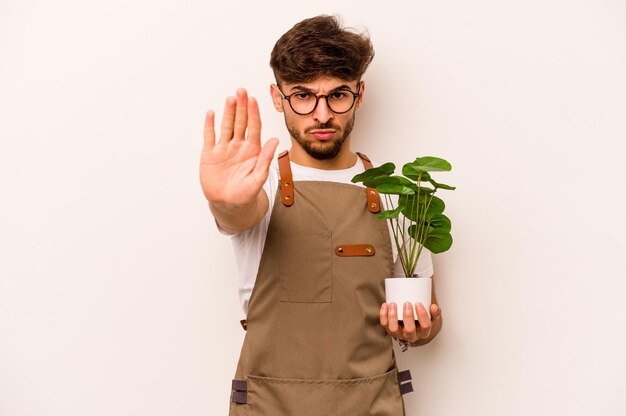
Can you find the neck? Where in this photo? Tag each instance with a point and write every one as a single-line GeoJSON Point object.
{"type": "Point", "coordinates": [345, 158]}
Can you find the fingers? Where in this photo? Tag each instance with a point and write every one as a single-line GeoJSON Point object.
{"type": "Point", "coordinates": [228, 120]}
{"type": "Point", "coordinates": [389, 320]}
{"type": "Point", "coordinates": [382, 315]}
{"type": "Point", "coordinates": [388, 316]}
{"type": "Point", "coordinates": [265, 159]}
{"type": "Point", "coordinates": [422, 315]}
{"type": "Point", "coordinates": [392, 317]}
{"type": "Point", "coordinates": [435, 312]}
{"type": "Point", "coordinates": [254, 122]}
{"type": "Point", "coordinates": [209, 130]}
{"type": "Point", "coordinates": [410, 331]}
{"type": "Point", "coordinates": [241, 115]}
{"type": "Point", "coordinates": [424, 321]}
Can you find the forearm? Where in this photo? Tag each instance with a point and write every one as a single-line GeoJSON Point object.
{"type": "Point", "coordinates": [236, 218]}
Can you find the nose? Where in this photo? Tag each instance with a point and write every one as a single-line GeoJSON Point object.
{"type": "Point", "coordinates": [322, 112]}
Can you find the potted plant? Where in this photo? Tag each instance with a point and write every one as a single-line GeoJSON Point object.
{"type": "Point", "coordinates": [416, 218]}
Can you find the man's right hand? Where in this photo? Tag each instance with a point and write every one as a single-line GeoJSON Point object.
{"type": "Point", "coordinates": [233, 171]}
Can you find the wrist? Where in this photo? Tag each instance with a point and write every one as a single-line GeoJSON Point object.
{"type": "Point", "coordinates": [235, 218]}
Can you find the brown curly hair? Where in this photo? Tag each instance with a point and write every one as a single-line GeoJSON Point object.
{"type": "Point", "coordinates": [317, 47]}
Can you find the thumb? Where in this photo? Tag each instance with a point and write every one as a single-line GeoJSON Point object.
{"type": "Point", "coordinates": [265, 157]}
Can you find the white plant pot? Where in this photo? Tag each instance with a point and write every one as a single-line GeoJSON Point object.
{"type": "Point", "coordinates": [409, 289]}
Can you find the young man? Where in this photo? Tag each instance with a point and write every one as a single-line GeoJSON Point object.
{"type": "Point", "coordinates": [312, 255]}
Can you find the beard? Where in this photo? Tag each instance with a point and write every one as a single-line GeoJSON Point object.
{"type": "Point", "coordinates": [324, 150]}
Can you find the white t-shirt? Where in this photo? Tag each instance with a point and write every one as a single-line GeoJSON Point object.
{"type": "Point", "coordinates": [249, 243]}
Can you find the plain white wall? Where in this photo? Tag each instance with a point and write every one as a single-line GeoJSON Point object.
{"type": "Point", "coordinates": [117, 294]}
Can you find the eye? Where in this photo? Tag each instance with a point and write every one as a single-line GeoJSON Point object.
{"type": "Point", "coordinates": [338, 95]}
{"type": "Point", "coordinates": [302, 95]}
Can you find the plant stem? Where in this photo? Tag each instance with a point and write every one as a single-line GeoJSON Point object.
{"type": "Point", "coordinates": [405, 264]}
{"type": "Point", "coordinates": [394, 228]}
{"type": "Point", "coordinates": [426, 227]}
{"type": "Point", "coordinates": [416, 241]}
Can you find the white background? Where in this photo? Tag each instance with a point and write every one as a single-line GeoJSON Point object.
{"type": "Point", "coordinates": [118, 295]}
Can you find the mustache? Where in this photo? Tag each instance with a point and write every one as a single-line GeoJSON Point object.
{"type": "Point", "coordinates": [323, 126]}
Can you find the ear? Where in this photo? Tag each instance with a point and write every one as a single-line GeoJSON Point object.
{"type": "Point", "coordinates": [277, 98]}
{"type": "Point", "coordinates": [361, 92]}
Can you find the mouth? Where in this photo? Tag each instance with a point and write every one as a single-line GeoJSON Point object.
{"type": "Point", "coordinates": [323, 134]}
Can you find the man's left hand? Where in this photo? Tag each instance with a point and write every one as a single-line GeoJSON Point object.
{"type": "Point", "coordinates": [408, 331]}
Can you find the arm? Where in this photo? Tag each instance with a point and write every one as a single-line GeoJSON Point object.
{"type": "Point", "coordinates": [232, 172]}
{"type": "Point", "coordinates": [424, 333]}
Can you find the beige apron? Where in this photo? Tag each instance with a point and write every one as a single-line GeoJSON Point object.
{"type": "Point", "coordinates": [314, 345]}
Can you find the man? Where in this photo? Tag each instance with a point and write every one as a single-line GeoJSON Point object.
{"type": "Point", "coordinates": [312, 255]}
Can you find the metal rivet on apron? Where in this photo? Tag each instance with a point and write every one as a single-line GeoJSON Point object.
{"type": "Point", "coordinates": [374, 205]}
{"type": "Point", "coordinates": [286, 183]}
{"type": "Point", "coordinates": [287, 197]}
{"type": "Point", "coordinates": [369, 250]}
{"type": "Point", "coordinates": [372, 192]}
{"type": "Point", "coordinates": [340, 249]}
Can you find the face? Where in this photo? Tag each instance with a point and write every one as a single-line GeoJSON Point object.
{"type": "Point", "coordinates": [323, 132]}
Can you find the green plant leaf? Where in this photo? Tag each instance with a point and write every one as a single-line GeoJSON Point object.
{"type": "Point", "coordinates": [417, 175]}
{"type": "Point", "coordinates": [441, 185]}
{"type": "Point", "coordinates": [431, 164]}
{"type": "Point", "coordinates": [414, 210]}
{"type": "Point", "coordinates": [438, 241]}
{"type": "Point", "coordinates": [404, 181]}
{"type": "Point", "coordinates": [382, 170]}
{"type": "Point", "coordinates": [440, 222]}
{"type": "Point", "coordinates": [392, 213]}
{"type": "Point", "coordinates": [412, 230]}
{"type": "Point", "coordinates": [378, 180]}
{"type": "Point", "coordinates": [389, 214]}
{"type": "Point", "coordinates": [411, 210]}
{"type": "Point", "coordinates": [394, 189]}
{"type": "Point", "coordinates": [437, 206]}
{"type": "Point", "coordinates": [397, 180]}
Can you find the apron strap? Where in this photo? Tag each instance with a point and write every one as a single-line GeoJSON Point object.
{"type": "Point", "coordinates": [404, 382]}
{"type": "Point", "coordinates": [286, 180]}
{"type": "Point", "coordinates": [373, 198]}
{"type": "Point", "coordinates": [239, 393]}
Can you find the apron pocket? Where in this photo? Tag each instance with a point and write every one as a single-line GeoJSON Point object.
{"type": "Point", "coordinates": [305, 266]}
{"type": "Point", "coordinates": [369, 396]}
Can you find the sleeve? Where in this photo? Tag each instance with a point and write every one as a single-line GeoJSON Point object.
{"type": "Point", "coordinates": [221, 230]}
{"type": "Point", "coordinates": [248, 245]}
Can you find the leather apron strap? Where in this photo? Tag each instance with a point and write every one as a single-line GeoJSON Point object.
{"type": "Point", "coordinates": [373, 198]}
{"type": "Point", "coordinates": [286, 179]}
{"type": "Point", "coordinates": [286, 183]}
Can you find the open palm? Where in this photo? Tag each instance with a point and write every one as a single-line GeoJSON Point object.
{"type": "Point", "coordinates": [233, 170]}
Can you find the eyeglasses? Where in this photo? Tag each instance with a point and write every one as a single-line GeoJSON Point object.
{"type": "Point", "coordinates": [304, 102]}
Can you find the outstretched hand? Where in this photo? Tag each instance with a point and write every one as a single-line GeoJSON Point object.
{"type": "Point", "coordinates": [232, 172]}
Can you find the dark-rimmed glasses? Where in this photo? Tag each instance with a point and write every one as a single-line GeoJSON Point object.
{"type": "Point", "coordinates": [339, 101]}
